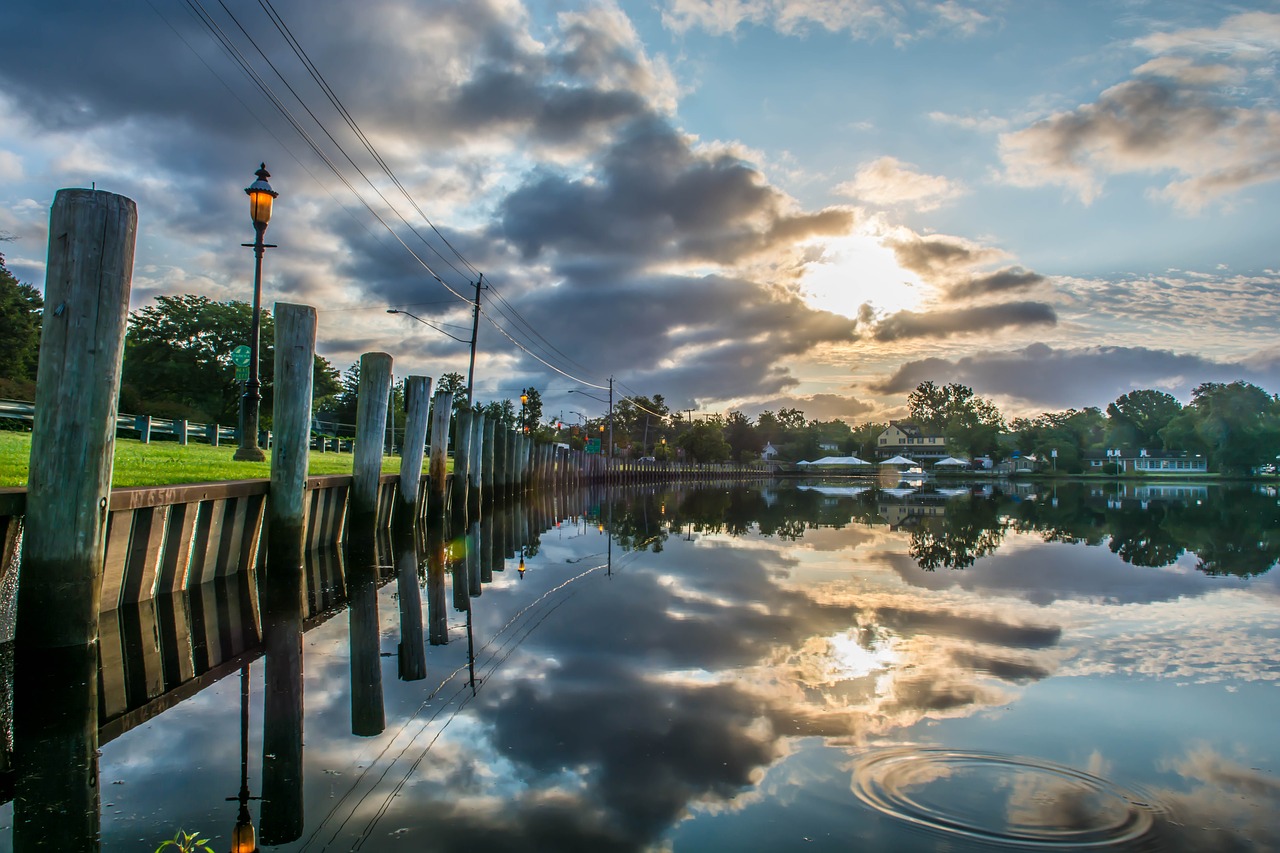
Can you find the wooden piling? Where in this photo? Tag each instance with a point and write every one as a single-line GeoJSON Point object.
{"type": "Point", "coordinates": [371, 423]}
{"type": "Point", "coordinates": [462, 460]}
{"type": "Point", "coordinates": [476, 467]}
{"type": "Point", "coordinates": [489, 452]}
{"type": "Point", "coordinates": [441, 409]}
{"type": "Point", "coordinates": [87, 282]}
{"type": "Point", "coordinates": [417, 395]}
{"type": "Point", "coordinates": [295, 356]}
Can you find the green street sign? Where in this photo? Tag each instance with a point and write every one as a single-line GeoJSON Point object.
{"type": "Point", "coordinates": [593, 445]}
{"type": "Point", "coordinates": [240, 356]}
{"type": "Point", "coordinates": [242, 373]}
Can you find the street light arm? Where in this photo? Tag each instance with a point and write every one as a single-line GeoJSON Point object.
{"type": "Point", "coordinates": [585, 394]}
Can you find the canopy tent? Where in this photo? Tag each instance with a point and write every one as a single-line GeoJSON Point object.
{"type": "Point", "coordinates": [951, 462]}
{"type": "Point", "coordinates": [899, 460]}
{"type": "Point", "coordinates": [836, 460]}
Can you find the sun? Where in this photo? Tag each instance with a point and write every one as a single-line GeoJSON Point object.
{"type": "Point", "coordinates": [855, 270]}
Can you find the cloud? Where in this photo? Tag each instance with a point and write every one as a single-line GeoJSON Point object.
{"type": "Point", "coordinates": [1039, 375]}
{"type": "Point", "coordinates": [945, 323]}
{"type": "Point", "coordinates": [890, 182]}
{"type": "Point", "coordinates": [861, 19]}
{"type": "Point", "coordinates": [1175, 118]}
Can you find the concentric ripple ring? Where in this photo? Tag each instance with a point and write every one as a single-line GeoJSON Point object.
{"type": "Point", "coordinates": [1002, 799]}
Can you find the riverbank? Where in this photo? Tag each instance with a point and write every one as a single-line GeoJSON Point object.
{"type": "Point", "coordinates": [169, 463]}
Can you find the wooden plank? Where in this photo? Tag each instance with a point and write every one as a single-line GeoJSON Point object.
{"type": "Point", "coordinates": [113, 700]}
{"type": "Point", "coordinates": [146, 548]}
{"type": "Point", "coordinates": [119, 531]}
{"type": "Point", "coordinates": [174, 620]}
{"type": "Point", "coordinates": [176, 555]}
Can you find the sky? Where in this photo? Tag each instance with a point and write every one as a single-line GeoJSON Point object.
{"type": "Point", "coordinates": [737, 204]}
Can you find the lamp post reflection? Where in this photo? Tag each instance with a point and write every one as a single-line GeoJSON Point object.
{"type": "Point", "coordinates": [243, 837]}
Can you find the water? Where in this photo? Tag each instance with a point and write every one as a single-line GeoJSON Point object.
{"type": "Point", "coordinates": [823, 668]}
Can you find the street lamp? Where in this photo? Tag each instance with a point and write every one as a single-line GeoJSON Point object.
{"type": "Point", "coordinates": [261, 197]}
{"type": "Point", "coordinates": [243, 837]}
{"type": "Point", "coordinates": [524, 399]}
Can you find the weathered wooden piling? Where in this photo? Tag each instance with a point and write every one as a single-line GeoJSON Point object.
{"type": "Point", "coordinates": [371, 423]}
{"type": "Point", "coordinates": [368, 714]}
{"type": "Point", "coordinates": [476, 467]}
{"type": "Point", "coordinates": [489, 457]}
{"type": "Point", "coordinates": [461, 460]}
{"type": "Point", "coordinates": [441, 409]}
{"type": "Point", "coordinates": [417, 398]}
{"type": "Point", "coordinates": [295, 356]}
{"type": "Point", "coordinates": [280, 603]}
{"type": "Point", "coordinates": [87, 283]}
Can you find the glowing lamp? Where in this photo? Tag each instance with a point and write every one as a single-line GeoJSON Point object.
{"type": "Point", "coordinates": [260, 197]}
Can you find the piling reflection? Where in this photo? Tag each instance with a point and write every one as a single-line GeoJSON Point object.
{"type": "Point", "coordinates": [281, 597]}
{"type": "Point", "coordinates": [368, 716]}
{"type": "Point", "coordinates": [411, 653]}
{"type": "Point", "coordinates": [57, 797]}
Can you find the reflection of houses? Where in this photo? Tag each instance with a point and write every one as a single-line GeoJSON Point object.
{"type": "Point", "coordinates": [907, 439]}
{"type": "Point", "coordinates": [1181, 492]}
{"type": "Point", "coordinates": [1155, 462]}
{"type": "Point", "coordinates": [902, 508]}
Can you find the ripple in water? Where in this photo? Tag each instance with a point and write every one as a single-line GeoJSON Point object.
{"type": "Point", "coordinates": [1002, 799]}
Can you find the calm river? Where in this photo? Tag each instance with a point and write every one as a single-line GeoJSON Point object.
{"type": "Point", "coordinates": [793, 667]}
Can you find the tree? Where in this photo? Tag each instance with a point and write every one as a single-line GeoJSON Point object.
{"type": "Point", "coordinates": [704, 441]}
{"type": "Point", "coordinates": [1136, 418]}
{"type": "Point", "coordinates": [177, 360]}
{"type": "Point", "coordinates": [972, 424]}
{"type": "Point", "coordinates": [531, 409]}
{"type": "Point", "coordinates": [741, 435]}
{"type": "Point", "coordinates": [1236, 424]}
{"type": "Point", "coordinates": [1070, 433]}
{"type": "Point", "coordinates": [455, 384]}
{"type": "Point", "coordinates": [20, 307]}
{"type": "Point", "coordinates": [865, 439]}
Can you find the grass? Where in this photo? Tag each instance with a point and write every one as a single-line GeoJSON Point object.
{"type": "Point", "coordinates": [167, 463]}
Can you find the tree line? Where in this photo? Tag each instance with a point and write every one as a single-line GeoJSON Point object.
{"type": "Point", "coordinates": [177, 364]}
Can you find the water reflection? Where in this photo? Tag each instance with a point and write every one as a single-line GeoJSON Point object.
{"type": "Point", "coordinates": [717, 668]}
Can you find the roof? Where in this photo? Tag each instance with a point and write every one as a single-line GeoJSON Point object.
{"type": "Point", "coordinates": [913, 430]}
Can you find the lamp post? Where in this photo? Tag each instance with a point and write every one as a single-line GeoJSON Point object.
{"type": "Point", "coordinates": [261, 197]}
{"type": "Point", "coordinates": [243, 837]}
{"type": "Point", "coordinates": [524, 399]}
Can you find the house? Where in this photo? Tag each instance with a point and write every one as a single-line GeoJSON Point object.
{"type": "Point", "coordinates": [829, 446]}
{"type": "Point", "coordinates": [1152, 462]}
{"type": "Point", "coordinates": [1017, 465]}
{"type": "Point", "coordinates": [770, 452]}
{"type": "Point", "coordinates": [907, 439]}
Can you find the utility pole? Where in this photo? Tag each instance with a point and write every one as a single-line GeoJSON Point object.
{"type": "Point", "coordinates": [610, 420]}
{"type": "Point", "coordinates": [475, 332]}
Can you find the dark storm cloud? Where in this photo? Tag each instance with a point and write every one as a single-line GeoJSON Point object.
{"type": "Point", "coordinates": [1060, 378]}
{"type": "Point", "coordinates": [956, 321]}
{"type": "Point", "coordinates": [1001, 281]}
{"type": "Point", "coordinates": [937, 256]}
{"type": "Point", "coordinates": [655, 197]}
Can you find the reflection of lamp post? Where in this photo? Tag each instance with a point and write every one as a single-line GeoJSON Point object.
{"type": "Point", "coordinates": [521, 568]}
{"type": "Point", "coordinates": [261, 197]}
{"type": "Point", "coordinates": [243, 837]}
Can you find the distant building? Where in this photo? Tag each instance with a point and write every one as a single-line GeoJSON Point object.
{"type": "Point", "coordinates": [769, 452]}
{"type": "Point", "coordinates": [1160, 462]}
{"type": "Point", "coordinates": [829, 446]}
{"type": "Point", "coordinates": [904, 438]}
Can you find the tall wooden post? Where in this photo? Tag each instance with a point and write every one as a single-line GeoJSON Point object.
{"type": "Point", "coordinates": [476, 467]}
{"type": "Point", "coordinates": [371, 421]}
{"type": "Point", "coordinates": [462, 460]}
{"type": "Point", "coordinates": [490, 430]}
{"type": "Point", "coordinates": [87, 282]}
{"type": "Point", "coordinates": [295, 356]}
{"type": "Point", "coordinates": [441, 409]}
{"type": "Point", "coordinates": [417, 395]}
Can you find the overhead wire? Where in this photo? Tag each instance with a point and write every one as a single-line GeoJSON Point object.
{"type": "Point", "coordinates": [502, 307]}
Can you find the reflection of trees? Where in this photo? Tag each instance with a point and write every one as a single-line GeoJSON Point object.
{"type": "Point", "coordinates": [970, 529]}
{"type": "Point", "coordinates": [1232, 531]}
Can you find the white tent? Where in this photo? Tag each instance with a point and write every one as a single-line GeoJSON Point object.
{"type": "Point", "coordinates": [951, 462]}
{"type": "Point", "coordinates": [899, 460]}
{"type": "Point", "coordinates": [836, 460]}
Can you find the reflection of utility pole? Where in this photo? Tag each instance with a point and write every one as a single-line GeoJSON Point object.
{"type": "Point", "coordinates": [610, 420]}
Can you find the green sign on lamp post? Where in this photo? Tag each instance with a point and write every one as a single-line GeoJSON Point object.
{"type": "Point", "coordinates": [240, 358]}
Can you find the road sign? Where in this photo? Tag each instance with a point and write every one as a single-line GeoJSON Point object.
{"type": "Point", "coordinates": [242, 373]}
{"type": "Point", "coordinates": [240, 356]}
{"type": "Point", "coordinates": [593, 445]}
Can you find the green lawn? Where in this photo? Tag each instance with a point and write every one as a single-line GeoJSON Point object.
{"type": "Point", "coordinates": [166, 462]}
